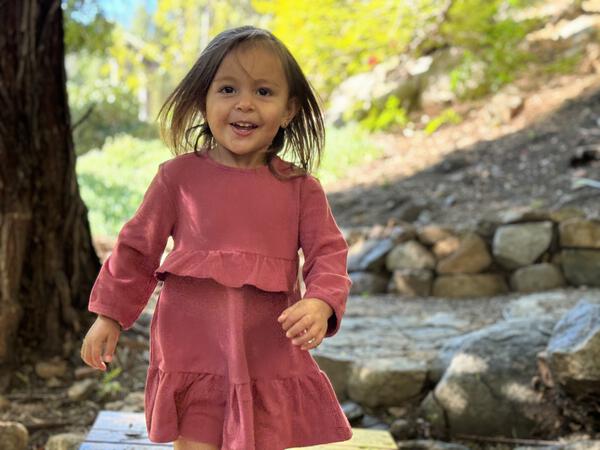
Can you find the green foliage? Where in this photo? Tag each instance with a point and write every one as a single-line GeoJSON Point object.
{"type": "Point", "coordinates": [564, 65]}
{"type": "Point", "coordinates": [446, 116]}
{"type": "Point", "coordinates": [93, 35]}
{"type": "Point", "coordinates": [490, 38]}
{"type": "Point", "coordinates": [335, 39]}
{"type": "Point", "coordinates": [109, 387]}
{"type": "Point", "coordinates": [384, 118]}
{"type": "Point", "coordinates": [112, 181]}
{"type": "Point", "coordinates": [114, 107]}
{"type": "Point", "coordinates": [345, 148]}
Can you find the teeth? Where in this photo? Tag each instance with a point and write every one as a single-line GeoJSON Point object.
{"type": "Point", "coordinates": [244, 124]}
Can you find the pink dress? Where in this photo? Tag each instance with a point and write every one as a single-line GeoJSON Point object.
{"type": "Point", "coordinates": [221, 369]}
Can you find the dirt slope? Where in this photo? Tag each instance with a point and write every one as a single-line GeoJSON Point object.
{"type": "Point", "coordinates": [463, 172]}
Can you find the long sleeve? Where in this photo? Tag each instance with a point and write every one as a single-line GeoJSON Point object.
{"type": "Point", "coordinates": [325, 252]}
{"type": "Point", "coordinates": [126, 279]}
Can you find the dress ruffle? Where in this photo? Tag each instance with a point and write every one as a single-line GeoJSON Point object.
{"type": "Point", "coordinates": [253, 410]}
{"type": "Point", "coordinates": [232, 268]}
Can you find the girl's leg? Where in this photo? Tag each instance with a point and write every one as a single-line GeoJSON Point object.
{"type": "Point", "coordinates": [184, 444]}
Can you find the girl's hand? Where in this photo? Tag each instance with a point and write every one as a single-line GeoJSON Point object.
{"type": "Point", "coordinates": [305, 320]}
{"type": "Point", "coordinates": [102, 335]}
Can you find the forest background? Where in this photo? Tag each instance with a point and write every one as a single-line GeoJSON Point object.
{"type": "Point", "coordinates": [120, 73]}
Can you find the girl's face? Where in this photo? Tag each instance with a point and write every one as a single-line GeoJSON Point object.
{"type": "Point", "coordinates": [246, 104]}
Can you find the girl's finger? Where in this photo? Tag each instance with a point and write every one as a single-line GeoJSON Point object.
{"type": "Point", "coordinates": [111, 345]}
{"type": "Point", "coordinates": [85, 353]}
{"type": "Point", "coordinates": [95, 356]}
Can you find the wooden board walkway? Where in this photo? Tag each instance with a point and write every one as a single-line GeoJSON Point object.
{"type": "Point", "coordinates": [116, 430]}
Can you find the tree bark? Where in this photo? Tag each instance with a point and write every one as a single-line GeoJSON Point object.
{"type": "Point", "coordinates": [47, 261]}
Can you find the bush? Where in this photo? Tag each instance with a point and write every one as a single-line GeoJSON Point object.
{"type": "Point", "coordinates": [112, 180]}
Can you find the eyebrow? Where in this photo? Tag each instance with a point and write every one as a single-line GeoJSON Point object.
{"type": "Point", "coordinates": [260, 80]}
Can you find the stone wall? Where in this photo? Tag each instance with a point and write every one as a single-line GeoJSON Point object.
{"type": "Point", "coordinates": [523, 250]}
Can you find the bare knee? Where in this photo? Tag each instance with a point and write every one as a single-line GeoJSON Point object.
{"type": "Point", "coordinates": [185, 444]}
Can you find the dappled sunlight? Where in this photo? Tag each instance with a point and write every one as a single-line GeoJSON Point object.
{"type": "Point", "coordinates": [452, 396]}
{"type": "Point", "coordinates": [467, 363]}
{"type": "Point", "coordinates": [519, 393]}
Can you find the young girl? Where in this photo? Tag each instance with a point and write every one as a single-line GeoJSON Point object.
{"type": "Point", "coordinates": [229, 367]}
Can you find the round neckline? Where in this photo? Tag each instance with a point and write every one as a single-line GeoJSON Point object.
{"type": "Point", "coordinates": [220, 165]}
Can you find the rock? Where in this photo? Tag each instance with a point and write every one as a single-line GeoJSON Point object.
{"type": "Point", "coordinates": [580, 233]}
{"type": "Point", "coordinates": [54, 382]}
{"type": "Point", "coordinates": [423, 444]}
{"type": "Point", "coordinates": [402, 233]}
{"type": "Point", "coordinates": [503, 107]}
{"type": "Point", "coordinates": [520, 245]}
{"type": "Point", "coordinates": [337, 369]}
{"type": "Point", "coordinates": [471, 256]}
{"type": "Point", "coordinates": [446, 247]}
{"type": "Point", "coordinates": [486, 390]}
{"type": "Point", "coordinates": [467, 286]}
{"type": "Point", "coordinates": [65, 441]}
{"type": "Point", "coordinates": [438, 89]}
{"type": "Point", "coordinates": [566, 213]}
{"type": "Point", "coordinates": [402, 429]}
{"type": "Point", "coordinates": [412, 282]}
{"type": "Point", "coordinates": [550, 304]}
{"type": "Point", "coordinates": [368, 283]}
{"type": "Point", "coordinates": [518, 215]}
{"type": "Point", "coordinates": [538, 277]}
{"type": "Point", "coordinates": [574, 348]}
{"type": "Point", "coordinates": [578, 445]}
{"type": "Point", "coordinates": [4, 403]}
{"type": "Point", "coordinates": [81, 390]}
{"type": "Point", "coordinates": [352, 410]}
{"type": "Point", "coordinates": [13, 436]}
{"type": "Point", "coordinates": [410, 255]}
{"type": "Point", "coordinates": [369, 255]}
{"type": "Point", "coordinates": [386, 381]}
{"type": "Point", "coordinates": [581, 267]}
{"type": "Point", "coordinates": [373, 88]}
{"type": "Point", "coordinates": [86, 372]}
{"type": "Point", "coordinates": [52, 368]}
{"type": "Point", "coordinates": [431, 234]}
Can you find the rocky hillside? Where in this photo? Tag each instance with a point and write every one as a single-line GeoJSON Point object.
{"type": "Point", "coordinates": [499, 157]}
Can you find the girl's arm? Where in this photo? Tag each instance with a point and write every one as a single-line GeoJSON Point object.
{"type": "Point", "coordinates": [325, 252]}
{"type": "Point", "coordinates": [126, 279]}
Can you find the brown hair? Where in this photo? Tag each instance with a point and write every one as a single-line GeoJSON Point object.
{"type": "Point", "coordinates": [305, 134]}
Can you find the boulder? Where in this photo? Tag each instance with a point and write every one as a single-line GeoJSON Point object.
{"type": "Point", "coordinates": [520, 245]}
{"type": "Point", "coordinates": [581, 267]}
{"type": "Point", "coordinates": [537, 277]}
{"type": "Point", "coordinates": [469, 286]}
{"type": "Point", "coordinates": [387, 381]}
{"type": "Point", "coordinates": [471, 256]}
{"type": "Point", "coordinates": [410, 255]}
{"type": "Point", "coordinates": [580, 233]}
{"type": "Point", "coordinates": [368, 283]}
{"type": "Point", "coordinates": [412, 282]}
{"type": "Point", "coordinates": [573, 352]}
{"type": "Point", "coordinates": [369, 255]}
{"type": "Point", "coordinates": [486, 390]}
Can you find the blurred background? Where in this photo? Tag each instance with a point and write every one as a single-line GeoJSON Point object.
{"type": "Point", "coordinates": [385, 70]}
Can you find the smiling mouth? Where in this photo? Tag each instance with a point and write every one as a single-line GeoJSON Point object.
{"type": "Point", "coordinates": [243, 126]}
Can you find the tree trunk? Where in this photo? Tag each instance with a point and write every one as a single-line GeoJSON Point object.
{"type": "Point", "coordinates": [47, 261]}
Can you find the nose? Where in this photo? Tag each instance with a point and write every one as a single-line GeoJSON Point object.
{"type": "Point", "coordinates": [244, 102]}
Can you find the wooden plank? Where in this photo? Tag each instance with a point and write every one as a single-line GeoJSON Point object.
{"type": "Point", "coordinates": [362, 439]}
{"type": "Point", "coordinates": [119, 430]}
{"type": "Point", "coordinates": [109, 446]}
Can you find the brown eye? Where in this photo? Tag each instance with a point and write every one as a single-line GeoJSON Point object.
{"type": "Point", "coordinates": [264, 91]}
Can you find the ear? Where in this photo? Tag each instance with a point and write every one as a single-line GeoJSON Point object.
{"type": "Point", "coordinates": [293, 106]}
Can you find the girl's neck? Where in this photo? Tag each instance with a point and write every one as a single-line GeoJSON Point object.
{"type": "Point", "coordinates": [228, 159]}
